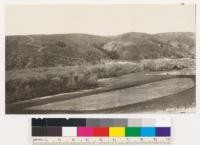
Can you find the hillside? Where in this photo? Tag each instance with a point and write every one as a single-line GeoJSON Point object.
{"type": "Point", "coordinates": [138, 46]}
{"type": "Point", "coordinates": [183, 42]}
{"type": "Point", "coordinates": [53, 50]}
{"type": "Point", "coordinates": [33, 51]}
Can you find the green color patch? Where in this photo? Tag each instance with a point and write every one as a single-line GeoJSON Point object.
{"type": "Point", "coordinates": [132, 131]}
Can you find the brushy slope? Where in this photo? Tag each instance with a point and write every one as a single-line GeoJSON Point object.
{"type": "Point", "coordinates": [34, 51]}
{"type": "Point", "coordinates": [53, 50]}
{"type": "Point", "coordinates": [138, 46]}
{"type": "Point", "coordinates": [40, 65]}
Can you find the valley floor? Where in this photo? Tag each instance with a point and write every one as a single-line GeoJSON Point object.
{"type": "Point", "coordinates": [160, 92]}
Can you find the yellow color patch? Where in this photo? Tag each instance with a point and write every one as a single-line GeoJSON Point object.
{"type": "Point", "coordinates": [117, 131]}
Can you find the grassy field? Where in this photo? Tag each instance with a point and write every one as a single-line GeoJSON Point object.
{"type": "Point", "coordinates": [183, 102]}
{"type": "Point", "coordinates": [124, 99]}
{"type": "Point", "coordinates": [33, 83]}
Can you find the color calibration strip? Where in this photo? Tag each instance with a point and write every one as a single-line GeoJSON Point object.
{"type": "Point", "coordinates": [80, 127]}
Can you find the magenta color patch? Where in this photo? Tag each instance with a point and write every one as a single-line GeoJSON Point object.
{"type": "Point", "coordinates": [85, 131]}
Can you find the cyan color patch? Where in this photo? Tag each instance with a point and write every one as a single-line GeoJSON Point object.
{"type": "Point", "coordinates": [148, 131]}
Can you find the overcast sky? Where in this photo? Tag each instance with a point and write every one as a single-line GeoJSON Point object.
{"type": "Point", "coordinates": [98, 19]}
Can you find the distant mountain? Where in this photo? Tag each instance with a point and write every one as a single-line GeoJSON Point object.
{"type": "Point", "coordinates": [33, 51]}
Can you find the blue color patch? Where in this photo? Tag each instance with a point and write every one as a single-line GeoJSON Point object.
{"type": "Point", "coordinates": [148, 131]}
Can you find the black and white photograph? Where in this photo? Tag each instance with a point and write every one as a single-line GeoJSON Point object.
{"type": "Point", "coordinates": [92, 59]}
